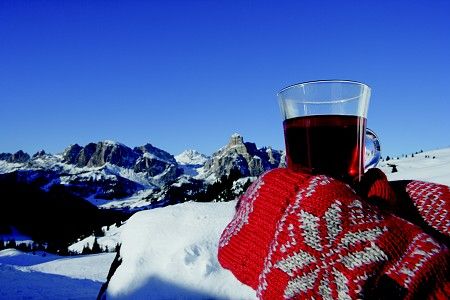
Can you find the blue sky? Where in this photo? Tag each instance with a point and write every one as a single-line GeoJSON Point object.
{"type": "Point", "coordinates": [188, 74]}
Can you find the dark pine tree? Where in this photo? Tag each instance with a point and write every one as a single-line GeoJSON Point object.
{"type": "Point", "coordinates": [11, 244]}
{"type": "Point", "coordinates": [96, 247]}
{"type": "Point", "coordinates": [86, 249]}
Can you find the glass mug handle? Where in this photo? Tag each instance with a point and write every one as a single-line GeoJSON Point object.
{"type": "Point", "coordinates": [372, 150]}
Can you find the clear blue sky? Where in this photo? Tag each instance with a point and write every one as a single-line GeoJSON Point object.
{"type": "Point", "coordinates": [188, 74]}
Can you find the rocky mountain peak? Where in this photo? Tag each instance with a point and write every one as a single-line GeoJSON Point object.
{"type": "Point", "coordinates": [5, 156]}
{"type": "Point", "coordinates": [40, 153]}
{"type": "Point", "coordinates": [242, 156]}
{"type": "Point", "coordinates": [19, 157]}
{"type": "Point", "coordinates": [70, 154]}
{"type": "Point", "coordinates": [235, 140]}
{"type": "Point", "coordinates": [155, 153]}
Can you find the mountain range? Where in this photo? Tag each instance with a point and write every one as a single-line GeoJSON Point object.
{"type": "Point", "coordinates": [107, 181]}
{"type": "Point", "coordinates": [109, 170]}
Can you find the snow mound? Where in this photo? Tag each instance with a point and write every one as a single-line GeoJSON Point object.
{"type": "Point", "coordinates": [15, 257]}
{"type": "Point", "coordinates": [171, 253]}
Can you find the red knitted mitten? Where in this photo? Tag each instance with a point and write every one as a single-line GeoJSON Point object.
{"type": "Point", "coordinates": [244, 243]}
{"type": "Point", "coordinates": [300, 236]}
{"type": "Point", "coordinates": [411, 199]}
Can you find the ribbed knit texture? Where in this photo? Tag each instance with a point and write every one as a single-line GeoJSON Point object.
{"type": "Point", "coordinates": [297, 236]}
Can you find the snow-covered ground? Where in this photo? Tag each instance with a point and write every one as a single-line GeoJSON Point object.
{"type": "Point", "coordinates": [28, 276]}
{"type": "Point", "coordinates": [422, 167]}
{"type": "Point", "coordinates": [168, 253]}
{"type": "Point", "coordinates": [137, 201]}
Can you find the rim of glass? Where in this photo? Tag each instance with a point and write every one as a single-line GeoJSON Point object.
{"type": "Point", "coordinates": [323, 81]}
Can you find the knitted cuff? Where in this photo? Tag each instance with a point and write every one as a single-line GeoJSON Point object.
{"type": "Point", "coordinates": [245, 241]}
{"type": "Point", "coordinates": [433, 203]}
{"type": "Point", "coordinates": [418, 266]}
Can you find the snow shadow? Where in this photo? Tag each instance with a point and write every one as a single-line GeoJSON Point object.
{"type": "Point", "coordinates": [157, 288]}
{"type": "Point", "coordinates": [16, 284]}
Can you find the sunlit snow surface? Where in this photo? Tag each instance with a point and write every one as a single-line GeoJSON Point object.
{"type": "Point", "coordinates": [171, 253]}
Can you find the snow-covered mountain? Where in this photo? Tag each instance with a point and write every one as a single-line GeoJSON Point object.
{"type": "Point", "coordinates": [191, 157]}
{"type": "Point", "coordinates": [98, 171]}
{"type": "Point", "coordinates": [108, 171]}
{"type": "Point", "coordinates": [191, 161]}
{"type": "Point", "coordinates": [104, 170]}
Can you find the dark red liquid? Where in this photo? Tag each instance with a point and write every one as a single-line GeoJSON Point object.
{"type": "Point", "coordinates": [328, 144]}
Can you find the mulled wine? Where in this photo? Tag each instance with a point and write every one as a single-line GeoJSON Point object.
{"type": "Point", "coordinates": [326, 144]}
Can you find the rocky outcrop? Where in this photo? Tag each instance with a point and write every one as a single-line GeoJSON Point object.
{"type": "Point", "coordinates": [5, 156]}
{"type": "Point", "coordinates": [98, 154]}
{"type": "Point", "coordinates": [71, 153]}
{"type": "Point", "coordinates": [147, 159]}
{"type": "Point", "coordinates": [158, 153]}
{"type": "Point", "coordinates": [242, 156]}
{"type": "Point", "coordinates": [157, 163]}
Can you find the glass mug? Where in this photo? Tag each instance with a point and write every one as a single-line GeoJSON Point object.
{"type": "Point", "coordinates": [325, 128]}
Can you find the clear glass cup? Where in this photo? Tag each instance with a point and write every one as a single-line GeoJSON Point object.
{"type": "Point", "coordinates": [325, 130]}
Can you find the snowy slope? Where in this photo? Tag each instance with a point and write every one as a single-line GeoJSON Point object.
{"type": "Point", "coordinates": [110, 240]}
{"type": "Point", "coordinates": [171, 253]}
{"type": "Point", "coordinates": [28, 276]}
{"type": "Point", "coordinates": [419, 167]}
